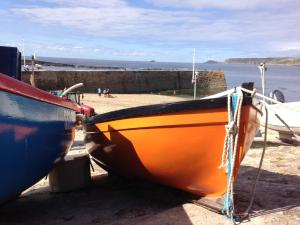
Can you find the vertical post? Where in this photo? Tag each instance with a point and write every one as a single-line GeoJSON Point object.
{"type": "Point", "coordinates": [32, 80]}
{"type": "Point", "coordinates": [195, 84]}
{"type": "Point", "coordinates": [262, 68]}
{"type": "Point", "coordinates": [194, 65]}
{"type": "Point", "coordinates": [24, 64]}
{"type": "Point", "coordinates": [194, 80]}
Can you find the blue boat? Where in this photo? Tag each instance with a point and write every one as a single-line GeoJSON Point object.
{"type": "Point", "coordinates": [36, 131]}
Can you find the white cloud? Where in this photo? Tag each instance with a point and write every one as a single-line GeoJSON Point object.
{"type": "Point", "coordinates": [111, 22]}
{"type": "Point", "coordinates": [287, 46]}
{"type": "Point", "coordinates": [225, 4]}
{"type": "Point", "coordinates": [243, 28]}
{"type": "Point", "coordinates": [89, 3]}
{"type": "Point", "coordinates": [156, 24]}
{"type": "Point", "coordinates": [56, 48]}
{"type": "Point", "coordinates": [69, 50]}
{"type": "Point", "coordinates": [78, 47]}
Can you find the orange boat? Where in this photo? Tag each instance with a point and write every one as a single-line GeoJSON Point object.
{"type": "Point", "coordinates": [177, 144]}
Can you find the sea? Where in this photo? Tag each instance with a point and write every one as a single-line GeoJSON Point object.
{"type": "Point", "coordinates": [278, 77]}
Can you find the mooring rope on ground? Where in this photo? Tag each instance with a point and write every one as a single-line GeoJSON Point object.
{"type": "Point", "coordinates": [245, 214]}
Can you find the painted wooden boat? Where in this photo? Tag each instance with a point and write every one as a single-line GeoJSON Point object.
{"type": "Point", "coordinates": [177, 144]}
{"type": "Point", "coordinates": [36, 130]}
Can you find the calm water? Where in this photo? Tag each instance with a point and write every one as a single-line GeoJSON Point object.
{"type": "Point", "coordinates": [283, 78]}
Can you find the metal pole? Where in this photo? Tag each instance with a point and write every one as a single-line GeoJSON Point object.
{"type": "Point", "coordinates": [194, 65]}
{"type": "Point", "coordinates": [195, 84]}
{"type": "Point", "coordinates": [262, 67]}
{"type": "Point", "coordinates": [194, 80]}
{"type": "Point", "coordinates": [195, 90]}
{"type": "Point", "coordinates": [32, 81]}
{"type": "Point", "coordinates": [24, 64]}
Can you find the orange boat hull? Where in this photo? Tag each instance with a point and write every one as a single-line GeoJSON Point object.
{"type": "Point", "coordinates": [179, 149]}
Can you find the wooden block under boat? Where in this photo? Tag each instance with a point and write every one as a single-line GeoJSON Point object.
{"type": "Point", "coordinates": [70, 174]}
{"type": "Point", "coordinates": [212, 204]}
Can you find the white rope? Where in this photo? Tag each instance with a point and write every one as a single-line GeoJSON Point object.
{"type": "Point", "coordinates": [230, 149]}
{"type": "Point", "coordinates": [276, 114]}
{"type": "Point", "coordinates": [225, 93]}
{"type": "Point", "coordinates": [269, 99]}
{"type": "Point", "coordinates": [226, 140]}
{"type": "Point", "coordinates": [254, 93]}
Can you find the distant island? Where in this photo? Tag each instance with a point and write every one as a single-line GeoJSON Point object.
{"type": "Point", "coordinates": [212, 62]}
{"type": "Point", "coordinates": [291, 61]}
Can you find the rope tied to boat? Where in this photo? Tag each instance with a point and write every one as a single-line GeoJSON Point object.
{"type": "Point", "coordinates": [228, 208]}
{"type": "Point", "coordinates": [234, 106]}
{"type": "Point", "coordinates": [228, 159]}
{"type": "Point", "coordinates": [266, 105]}
{"type": "Point", "coordinates": [231, 128]}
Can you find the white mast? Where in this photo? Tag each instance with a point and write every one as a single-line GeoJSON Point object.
{"type": "Point", "coordinates": [25, 67]}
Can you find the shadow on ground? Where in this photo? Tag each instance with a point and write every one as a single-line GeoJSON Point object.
{"type": "Point", "coordinates": [108, 200]}
{"type": "Point", "coordinates": [113, 200]}
{"type": "Point", "coordinates": [275, 192]}
{"type": "Point", "coordinates": [260, 143]}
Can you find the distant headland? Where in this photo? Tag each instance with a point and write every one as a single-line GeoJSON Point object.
{"type": "Point", "coordinates": [212, 62]}
{"type": "Point", "coordinates": [291, 61]}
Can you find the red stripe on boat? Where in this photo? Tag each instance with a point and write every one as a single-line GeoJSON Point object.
{"type": "Point", "coordinates": [14, 86]}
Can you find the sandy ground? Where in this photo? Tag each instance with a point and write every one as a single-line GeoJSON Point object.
{"type": "Point", "coordinates": [115, 201]}
{"type": "Point", "coordinates": [120, 101]}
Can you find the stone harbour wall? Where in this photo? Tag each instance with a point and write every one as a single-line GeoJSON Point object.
{"type": "Point", "coordinates": [128, 81]}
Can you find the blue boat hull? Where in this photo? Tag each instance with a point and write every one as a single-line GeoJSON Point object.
{"type": "Point", "coordinates": [33, 136]}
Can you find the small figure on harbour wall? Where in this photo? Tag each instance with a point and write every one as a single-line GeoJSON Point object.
{"type": "Point", "coordinates": [99, 91]}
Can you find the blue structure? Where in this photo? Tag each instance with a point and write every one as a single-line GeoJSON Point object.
{"type": "Point", "coordinates": [33, 136]}
{"type": "Point", "coordinates": [10, 62]}
{"type": "Point", "coordinates": [36, 130]}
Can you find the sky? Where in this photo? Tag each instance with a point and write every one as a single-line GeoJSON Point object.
{"type": "Point", "coordinates": [161, 30]}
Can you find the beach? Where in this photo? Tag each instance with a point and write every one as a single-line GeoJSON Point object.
{"type": "Point", "coordinates": [114, 200]}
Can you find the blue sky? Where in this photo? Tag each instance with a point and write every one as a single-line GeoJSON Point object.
{"type": "Point", "coordinates": [163, 30]}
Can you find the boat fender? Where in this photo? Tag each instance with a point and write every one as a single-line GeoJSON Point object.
{"type": "Point", "coordinates": [277, 95]}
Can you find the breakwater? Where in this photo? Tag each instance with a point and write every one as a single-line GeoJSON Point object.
{"type": "Point", "coordinates": [128, 81]}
